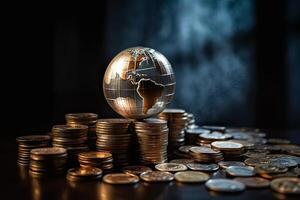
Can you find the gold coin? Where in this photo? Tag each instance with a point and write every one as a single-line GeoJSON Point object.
{"type": "Point", "coordinates": [170, 167]}
{"type": "Point", "coordinates": [191, 177]}
{"type": "Point", "coordinates": [48, 151]}
{"type": "Point", "coordinates": [286, 185]}
{"type": "Point", "coordinates": [157, 176]}
{"type": "Point", "coordinates": [120, 178]}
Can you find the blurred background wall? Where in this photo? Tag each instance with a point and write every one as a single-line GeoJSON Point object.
{"type": "Point", "coordinates": [236, 61]}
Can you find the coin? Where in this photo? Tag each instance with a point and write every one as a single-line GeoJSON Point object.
{"type": "Point", "coordinates": [84, 174]}
{"type": "Point", "coordinates": [99, 159]}
{"type": "Point", "coordinates": [185, 148]}
{"type": "Point", "coordinates": [240, 171]}
{"type": "Point", "coordinates": [286, 185]}
{"type": "Point", "coordinates": [203, 167]}
{"type": "Point", "coordinates": [226, 164]}
{"type": "Point", "coordinates": [120, 178]}
{"type": "Point", "coordinates": [182, 161]}
{"type": "Point", "coordinates": [224, 185]}
{"type": "Point", "coordinates": [284, 162]}
{"type": "Point", "coordinates": [256, 161]}
{"type": "Point", "coordinates": [269, 169]}
{"type": "Point", "coordinates": [191, 177]}
{"type": "Point", "coordinates": [157, 176]}
{"type": "Point", "coordinates": [253, 182]}
{"type": "Point", "coordinates": [226, 145]}
{"type": "Point", "coordinates": [48, 151]}
{"type": "Point", "coordinates": [136, 169]}
{"type": "Point", "coordinates": [170, 167]}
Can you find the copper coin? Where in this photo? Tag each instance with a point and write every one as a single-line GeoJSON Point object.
{"type": "Point", "coordinates": [286, 185]}
{"type": "Point", "coordinates": [120, 178]}
{"type": "Point", "coordinates": [253, 182]}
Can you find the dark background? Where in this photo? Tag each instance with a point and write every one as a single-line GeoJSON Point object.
{"type": "Point", "coordinates": [236, 62]}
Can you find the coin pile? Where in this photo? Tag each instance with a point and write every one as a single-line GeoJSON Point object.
{"type": "Point", "coordinates": [190, 120]}
{"type": "Point", "coordinates": [192, 134]}
{"type": "Point", "coordinates": [27, 143]}
{"type": "Point", "coordinates": [115, 136]}
{"type": "Point", "coordinates": [152, 136]}
{"type": "Point", "coordinates": [177, 120]}
{"type": "Point", "coordinates": [88, 119]}
{"type": "Point", "coordinates": [206, 138]}
{"type": "Point", "coordinates": [98, 159]}
{"type": "Point", "coordinates": [49, 161]}
{"type": "Point", "coordinates": [205, 155]}
{"type": "Point", "coordinates": [84, 174]}
{"type": "Point", "coordinates": [73, 138]}
{"type": "Point", "coordinates": [230, 150]}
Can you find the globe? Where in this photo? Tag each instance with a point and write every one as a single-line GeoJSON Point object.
{"type": "Point", "coordinates": [139, 82]}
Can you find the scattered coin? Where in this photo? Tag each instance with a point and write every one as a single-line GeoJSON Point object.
{"type": "Point", "coordinates": [157, 176]}
{"type": "Point", "coordinates": [264, 169]}
{"type": "Point", "coordinates": [203, 167]}
{"type": "Point", "coordinates": [185, 148]}
{"type": "Point", "coordinates": [283, 162]}
{"type": "Point", "coordinates": [84, 174]}
{"type": "Point", "coordinates": [286, 185]}
{"type": "Point", "coordinates": [240, 171]}
{"type": "Point", "coordinates": [224, 185]}
{"type": "Point", "coordinates": [253, 182]}
{"type": "Point", "coordinates": [225, 164]}
{"type": "Point", "coordinates": [256, 161]}
{"type": "Point", "coordinates": [182, 161]}
{"type": "Point", "coordinates": [191, 177]}
{"type": "Point", "coordinates": [136, 169]}
{"type": "Point", "coordinates": [170, 167]}
{"type": "Point", "coordinates": [120, 178]}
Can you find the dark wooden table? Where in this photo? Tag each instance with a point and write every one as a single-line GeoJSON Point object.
{"type": "Point", "coordinates": [17, 184]}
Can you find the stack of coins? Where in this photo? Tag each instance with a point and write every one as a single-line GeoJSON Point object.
{"type": "Point", "coordinates": [205, 139]}
{"type": "Point", "coordinates": [115, 136]}
{"type": "Point", "coordinates": [205, 155]}
{"type": "Point", "coordinates": [27, 143]}
{"type": "Point", "coordinates": [88, 119]}
{"type": "Point", "coordinates": [190, 120]}
{"type": "Point", "coordinates": [177, 120]}
{"type": "Point", "coordinates": [230, 150]}
{"type": "Point", "coordinates": [99, 159]}
{"type": "Point", "coordinates": [48, 161]}
{"type": "Point", "coordinates": [152, 135]}
{"type": "Point", "coordinates": [84, 174]}
{"type": "Point", "coordinates": [192, 135]}
{"type": "Point", "coordinates": [73, 138]}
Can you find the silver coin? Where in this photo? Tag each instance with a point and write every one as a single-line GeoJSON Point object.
{"type": "Point", "coordinates": [240, 171]}
{"type": "Point", "coordinates": [203, 167]}
{"type": "Point", "coordinates": [224, 185]}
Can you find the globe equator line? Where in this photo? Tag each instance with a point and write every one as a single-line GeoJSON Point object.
{"type": "Point", "coordinates": [164, 95]}
{"type": "Point", "coordinates": [171, 84]}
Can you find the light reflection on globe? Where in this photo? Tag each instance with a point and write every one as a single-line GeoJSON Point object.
{"type": "Point", "coordinates": [139, 82]}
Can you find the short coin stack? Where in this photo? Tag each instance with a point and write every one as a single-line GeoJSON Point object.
{"type": "Point", "coordinates": [27, 143]}
{"type": "Point", "coordinates": [192, 134]}
{"type": "Point", "coordinates": [190, 120]}
{"type": "Point", "coordinates": [177, 120]}
{"type": "Point", "coordinates": [206, 138]}
{"type": "Point", "coordinates": [152, 135]}
{"type": "Point", "coordinates": [84, 174]}
{"type": "Point", "coordinates": [230, 150]}
{"type": "Point", "coordinates": [115, 136]}
{"type": "Point", "coordinates": [49, 161]}
{"type": "Point", "coordinates": [88, 119]}
{"type": "Point", "coordinates": [99, 159]}
{"type": "Point", "coordinates": [73, 138]}
{"type": "Point", "coordinates": [205, 155]}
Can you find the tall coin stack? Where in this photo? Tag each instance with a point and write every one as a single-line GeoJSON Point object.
{"type": "Point", "coordinates": [152, 136]}
{"type": "Point", "coordinates": [177, 119]}
{"type": "Point", "coordinates": [49, 161]}
{"type": "Point", "coordinates": [73, 138]}
{"type": "Point", "coordinates": [99, 159]}
{"type": "Point", "coordinates": [88, 119]}
{"type": "Point", "coordinates": [27, 143]}
{"type": "Point", "coordinates": [115, 136]}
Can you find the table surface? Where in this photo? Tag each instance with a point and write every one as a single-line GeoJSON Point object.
{"type": "Point", "coordinates": [17, 184]}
